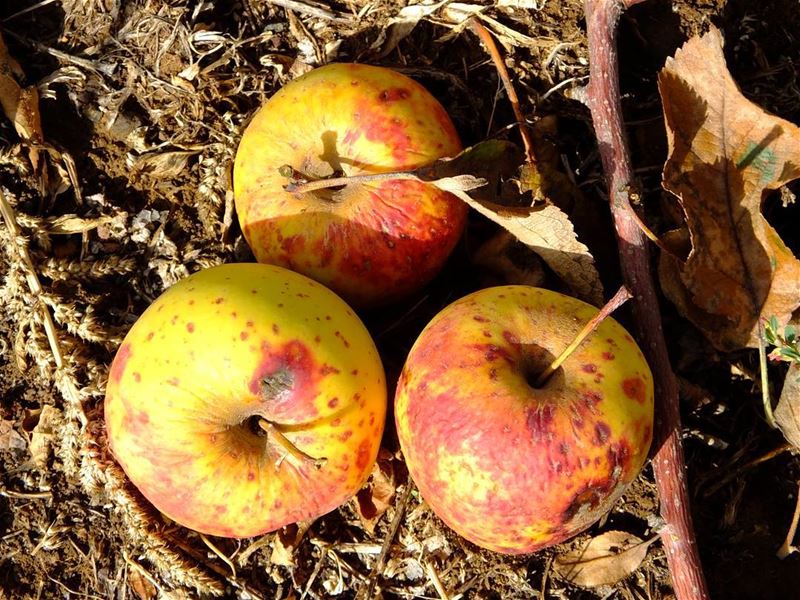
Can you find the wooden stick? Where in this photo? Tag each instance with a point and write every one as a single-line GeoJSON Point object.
{"type": "Point", "coordinates": [603, 98]}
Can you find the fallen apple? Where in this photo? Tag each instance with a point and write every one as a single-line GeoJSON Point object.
{"type": "Point", "coordinates": [510, 466]}
{"type": "Point", "coordinates": [245, 398]}
{"type": "Point", "coordinates": [371, 242]}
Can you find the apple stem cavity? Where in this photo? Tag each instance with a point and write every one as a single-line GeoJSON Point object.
{"type": "Point", "coordinates": [603, 98]}
{"type": "Point", "coordinates": [276, 437]}
{"type": "Point", "coordinates": [620, 298]}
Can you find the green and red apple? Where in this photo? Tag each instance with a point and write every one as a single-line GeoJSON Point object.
{"type": "Point", "coordinates": [245, 398]}
{"type": "Point", "coordinates": [511, 466]}
{"type": "Point", "coordinates": [371, 243]}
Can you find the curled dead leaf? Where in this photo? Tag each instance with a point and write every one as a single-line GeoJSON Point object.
{"type": "Point", "coordinates": [21, 106]}
{"type": "Point", "coordinates": [725, 153]}
{"type": "Point", "coordinates": [545, 229]}
{"type": "Point", "coordinates": [375, 498]}
{"type": "Point", "coordinates": [603, 560]}
{"type": "Point", "coordinates": [44, 433]}
{"type": "Point", "coordinates": [10, 439]}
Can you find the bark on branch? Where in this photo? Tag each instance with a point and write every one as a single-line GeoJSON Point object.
{"type": "Point", "coordinates": [603, 98]}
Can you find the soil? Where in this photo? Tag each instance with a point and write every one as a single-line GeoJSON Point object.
{"type": "Point", "coordinates": [144, 101]}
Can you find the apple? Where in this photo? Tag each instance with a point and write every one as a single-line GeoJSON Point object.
{"type": "Point", "coordinates": [372, 243]}
{"type": "Point", "coordinates": [245, 398]}
{"type": "Point", "coordinates": [510, 466]}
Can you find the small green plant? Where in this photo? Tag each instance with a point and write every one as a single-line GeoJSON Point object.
{"type": "Point", "coordinates": [787, 345]}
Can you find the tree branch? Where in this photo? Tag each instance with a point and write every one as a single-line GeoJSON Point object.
{"type": "Point", "coordinates": [603, 98]}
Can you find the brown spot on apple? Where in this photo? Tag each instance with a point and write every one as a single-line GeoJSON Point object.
{"type": "Point", "coordinates": [190, 327]}
{"type": "Point", "coordinates": [137, 377]}
{"type": "Point", "coordinates": [333, 402]}
{"type": "Point", "coordinates": [251, 475]}
{"type": "Point", "coordinates": [608, 356]}
{"type": "Point", "coordinates": [362, 454]}
{"type": "Point", "coordinates": [394, 94]}
{"type": "Point", "coordinates": [327, 369]}
{"type": "Point", "coordinates": [539, 420]}
{"type": "Point", "coordinates": [601, 433]}
{"type": "Point", "coordinates": [150, 336]}
{"type": "Point", "coordinates": [589, 368]}
{"type": "Point", "coordinates": [634, 389]}
{"type": "Point", "coordinates": [244, 335]}
{"type": "Point", "coordinates": [219, 300]}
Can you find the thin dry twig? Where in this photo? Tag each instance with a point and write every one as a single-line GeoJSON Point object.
{"type": "Point", "coordinates": [312, 11]}
{"type": "Point", "coordinates": [787, 548]}
{"type": "Point", "coordinates": [497, 59]}
{"type": "Point", "coordinates": [400, 510]}
{"type": "Point", "coordinates": [603, 98]}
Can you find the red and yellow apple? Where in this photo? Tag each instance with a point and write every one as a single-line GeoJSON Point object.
{"type": "Point", "coordinates": [510, 466]}
{"type": "Point", "coordinates": [370, 242]}
{"type": "Point", "coordinates": [245, 398]}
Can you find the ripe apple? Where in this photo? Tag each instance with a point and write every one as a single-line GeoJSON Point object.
{"type": "Point", "coordinates": [370, 242]}
{"type": "Point", "coordinates": [509, 466]}
{"type": "Point", "coordinates": [245, 398]}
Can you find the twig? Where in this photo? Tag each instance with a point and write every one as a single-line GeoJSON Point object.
{"type": "Point", "coordinates": [219, 553]}
{"type": "Point", "coordinates": [620, 298]}
{"type": "Point", "coordinates": [434, 578]}
{"type": "Point", "coordinates": [787, 548]}
{"type": "Point", "coordinates": [313, 11]}
{"type": "Point", "coordinates": [400, 510]}
{"type": "Point", "coordinates": [497, 59]}
{"type": "Point", "coordinates": [785, 447]}
{"type": "Point", "coordinates": [603, 98]}
{"type": "Point", "coordinates": [25, 495]}
{"type": "Point", "coordinates": [321, 184]}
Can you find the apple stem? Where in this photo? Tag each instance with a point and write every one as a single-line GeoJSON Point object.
{"type": "Point", "coordinates": [276, 436]}
{"type": "Point", "coordinates": [620, 298]}
{"type": "Point", "coordinates": [303, 186]}
{"type": "Point", "coordinates": [669, 466]}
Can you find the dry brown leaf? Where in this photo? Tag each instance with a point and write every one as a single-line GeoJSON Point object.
{"type": "Point", "coordinates": [374, 499]}
{"type": "Point", "coordinates": [787, 413]}
{"type": "Point", "coordinates": [725, 154]}
{"type": "Point", "coordinates": [10, 439]}
{"type": "Point", "coordinates": [402, 25]}
{"type": "Point", "coordinates": [20, 105]}
{"type": "Point", "coordinates": [603, 560]}
{"type": "Point", "coordinates": [43, 435]}
{"type": "Point", "coordinates": [546, 229]}
{"type": "Point", "coordinates": [140, 586]}
{"type": "Point", "coordinates": [285, 542]}
{"type": "Point", "coordinates": [549, 233]}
